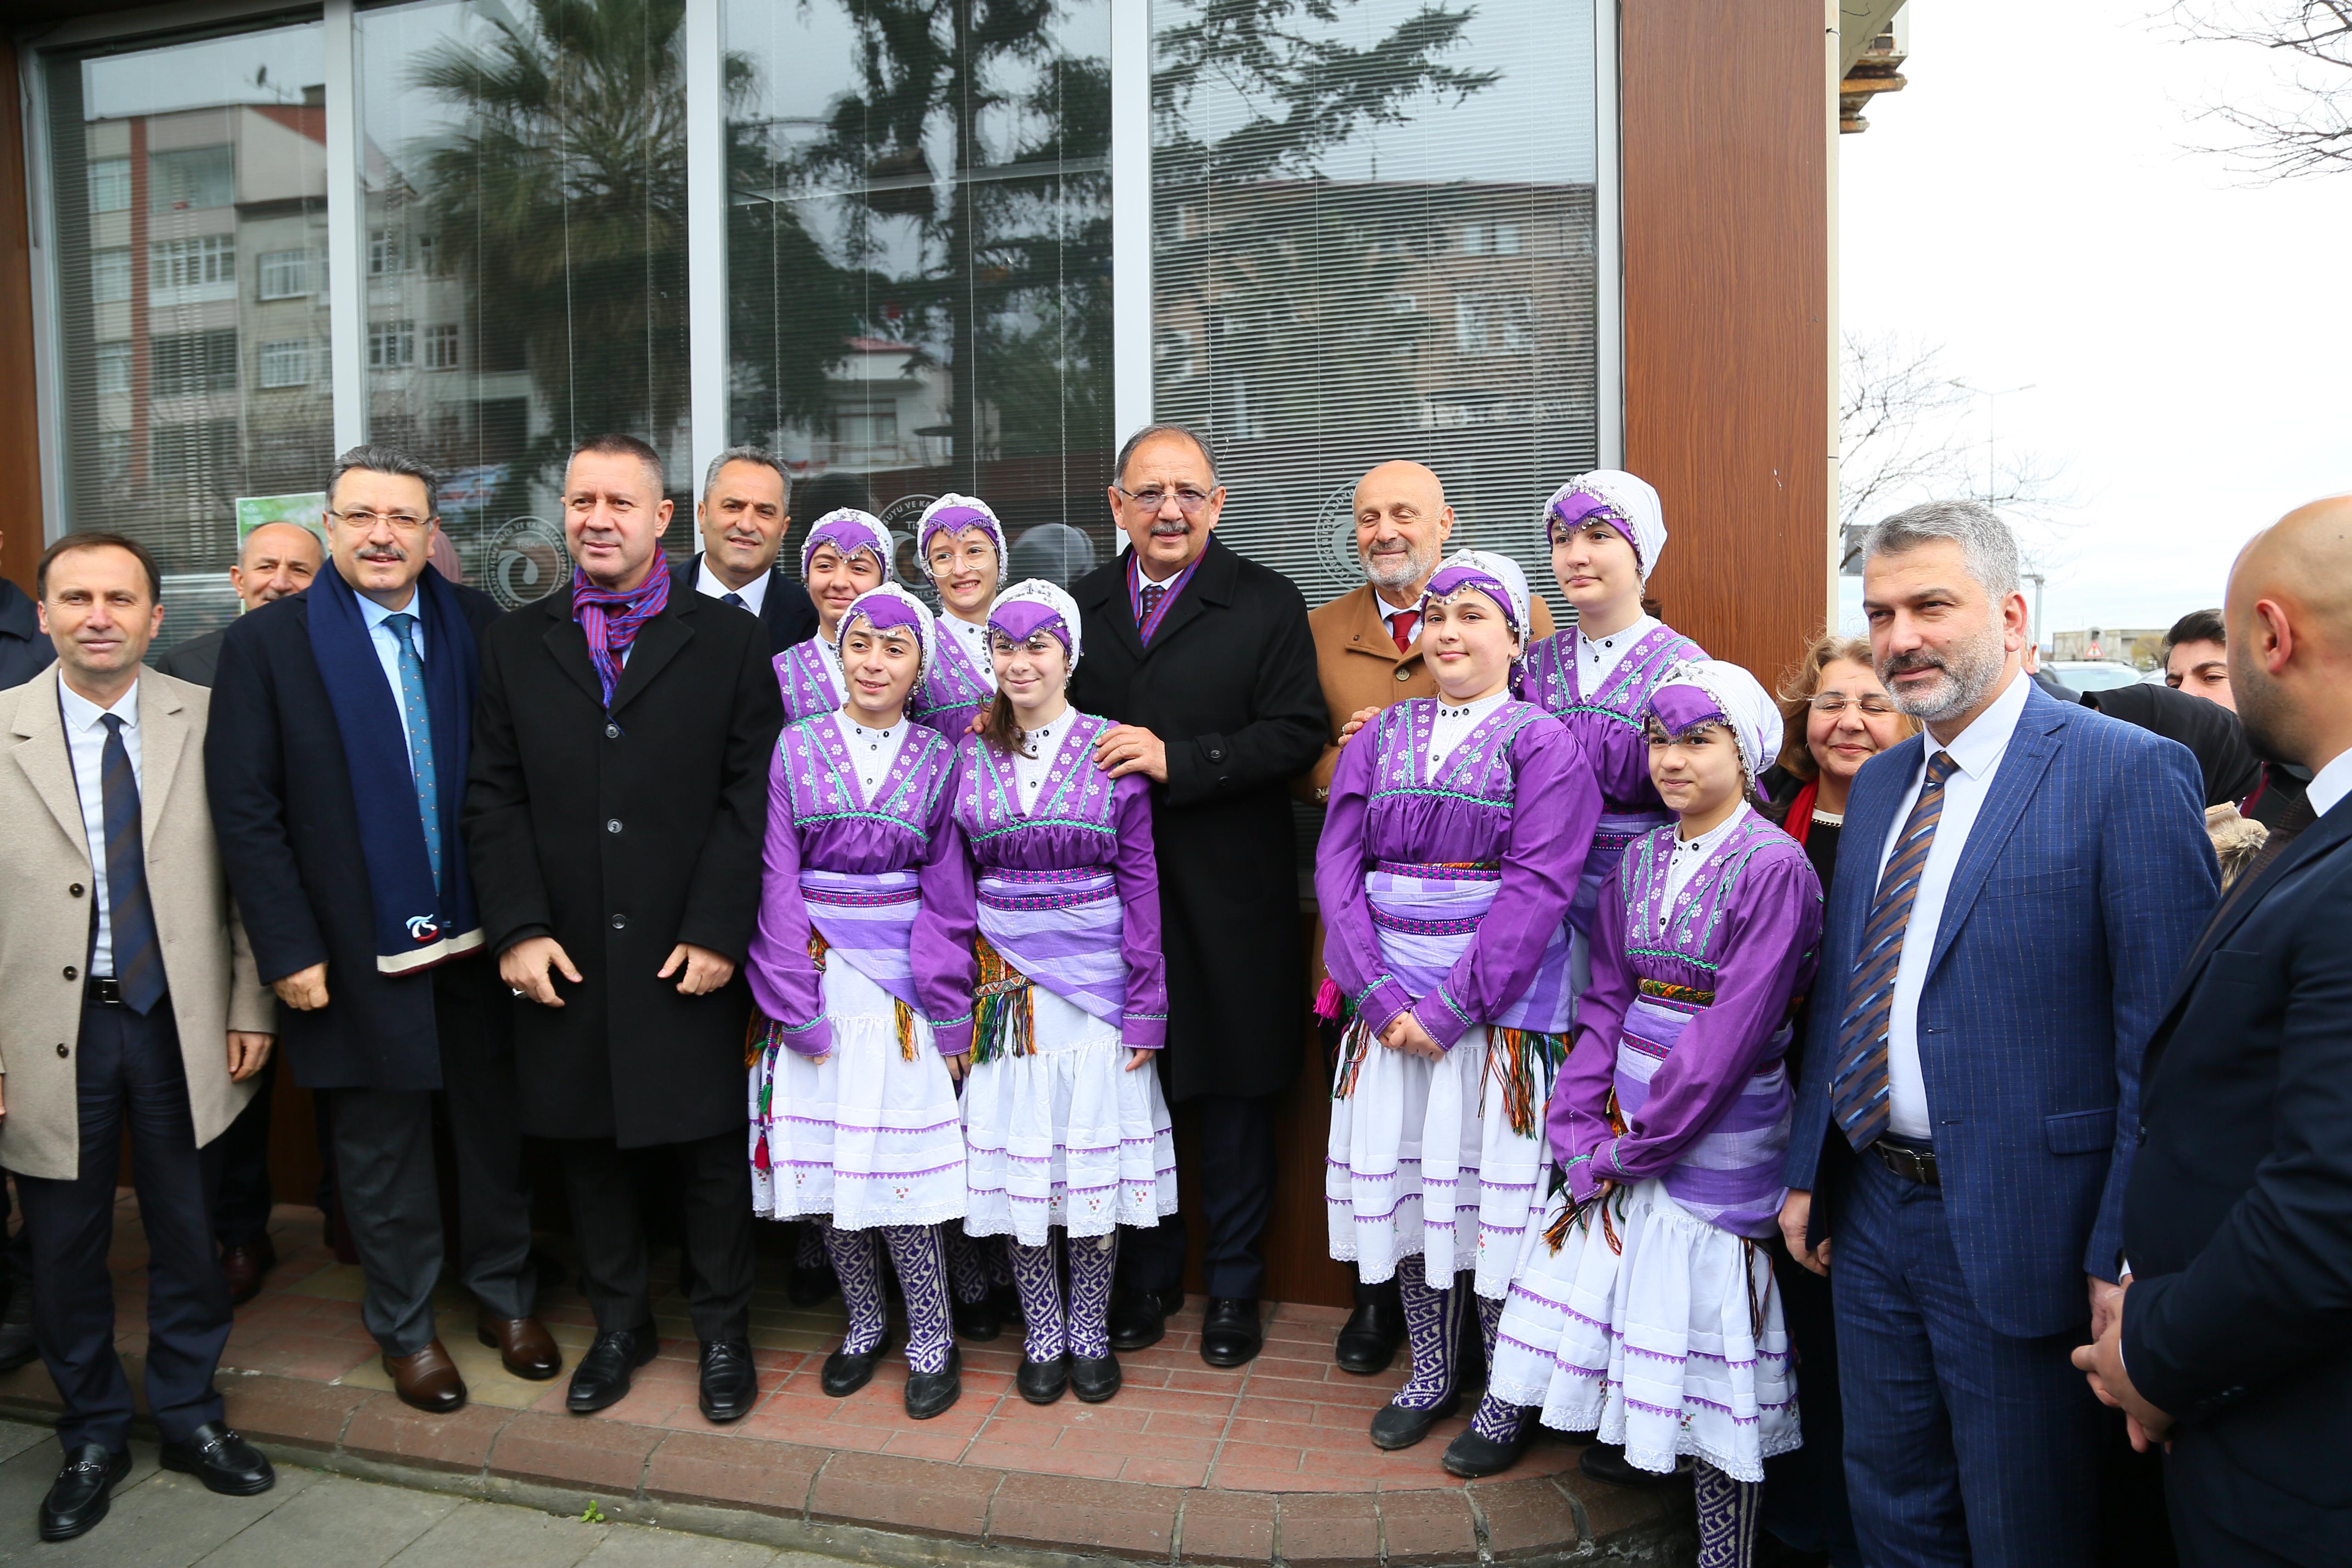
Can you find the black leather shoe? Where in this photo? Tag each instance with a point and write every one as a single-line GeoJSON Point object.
{"type": "Point", "coordinates": [977, 1319]}
{"type": "Point", "coordinates": [1473, 1457]}
{"type": "Point", "coordinates": [16, 1344]}
{"type": "Point", "coordinates": [845, 1373]}
{"type": "Point", "coordinates": [1138, 1318]}
{"type": "Point", "coordinates": [1394, 1426]}
{"type": "Point", "coordinates": [1369, 1339]}
{"type": "Point", "coordinates": [1606, 1462]}
{"type": "Point", "coordinates": [1095, 1379]}
{"type": "Point", "coordinates": [83, 1491]}
{"type": "Point", "coordinates": [1042, 1382]}
{"type": "Point", "coordinates": [730, 1386]}
{"type": "Point", "coordinates": [602, 1378]}
{"type": "Point", "coordinates": [218, 1454]}
{"type": "Point", "coordinates": [1230, 1334]}
{"type": "Point", "coordinates": [929, 1393]}
{"type": "Point", "coordinates": [811, 1284]}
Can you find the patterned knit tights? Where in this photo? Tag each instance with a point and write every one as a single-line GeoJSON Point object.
{"type": "Point", "coordinates": [1728, 1515]}
{"type": "Point", "coordinates": [923, 1281]}
{"type": "Point", "coordinates": [810, 1251]}
{"type": "Point", "coordinates": [1433, 1327]}
{"type": "Point", "coordinates": [1494, 1420]}
{"type": "Point", "coordinates": [1092, 1259]}
{"type": "Point", "coordinates": [857, 1264]}
{"type": "Point", "coordinates": [967, 1262]}
{"type": "Point", "coordinates": [1038, 1279]}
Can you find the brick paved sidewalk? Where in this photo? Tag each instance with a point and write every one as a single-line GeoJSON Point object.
{"type": "Point", "coordinates": [1189, 1463]}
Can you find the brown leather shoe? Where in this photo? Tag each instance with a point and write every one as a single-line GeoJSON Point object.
{"type": "Point", "coordinates": [245, 1266]}
{"type": "Point", "coordinates": [427, 1379]}
{"type": "Point", "coordinates": [524, 1347]}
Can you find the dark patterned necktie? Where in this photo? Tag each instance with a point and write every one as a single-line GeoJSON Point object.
{"type": "Point", "coordinates": [1153, 592]}
{"type": "Point", "coordinates": [1858, 1093]}
{"type": "Point", "coordinates": [138, 957]}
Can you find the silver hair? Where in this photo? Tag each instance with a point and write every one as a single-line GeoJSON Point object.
{"type": "Point", "coordinates": [377, 459]}
{"type": "Point", "coordinates": [1987, 547]}
{"type": "Point", "coordinates": [1127, 448]}
{"type": "Point", "coordinates": [758, 454]}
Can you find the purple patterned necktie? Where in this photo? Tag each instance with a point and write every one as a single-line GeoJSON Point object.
{"type": "Point", "coordinates": [1858, 1093]}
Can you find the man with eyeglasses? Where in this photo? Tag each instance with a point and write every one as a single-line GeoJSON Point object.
{"type": "Point", "coordinates": [337, 763]}
{"type": "Point", "coordinates": [1207, 660]}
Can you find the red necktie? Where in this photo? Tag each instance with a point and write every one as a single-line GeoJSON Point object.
{"type": "Point", "coordinates": [1402, 626]}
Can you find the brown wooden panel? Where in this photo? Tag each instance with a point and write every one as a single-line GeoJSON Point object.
{"type": "Point", "coordinates": [1727, 320]}
{"type": "Point", "coordinates": [20, 472]}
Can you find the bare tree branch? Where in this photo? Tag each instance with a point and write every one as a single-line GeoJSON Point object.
{"type": "Point", "coordinates": [2310, 132]}
{"type": "Point", "coordinates": [1905, 435]}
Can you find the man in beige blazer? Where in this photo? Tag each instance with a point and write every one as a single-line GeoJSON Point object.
{"type": "Point", "coordinates": [132, 1006]}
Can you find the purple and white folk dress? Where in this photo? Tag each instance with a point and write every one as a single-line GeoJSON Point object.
{"type": "Point", "coordinates": [809, 674]}
{"type": "Point", "coordinates": [1650, 1315]}
{"type": "Point", "coordinates": [959, 684]}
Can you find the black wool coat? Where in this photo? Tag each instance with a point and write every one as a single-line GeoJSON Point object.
{"type": "Point", "coordinates": [1229, 683]}
{"type": "Point", "coordinates": [622, 836]}
{"type": "Point", "coordinates": [289, 840]}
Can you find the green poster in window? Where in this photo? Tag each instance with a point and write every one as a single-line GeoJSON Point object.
{"type": "Point", "coordinates": [302, 511]}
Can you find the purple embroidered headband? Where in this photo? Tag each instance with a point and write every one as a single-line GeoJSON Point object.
{"type": "Point", "coordinates": [1035, 605]}
{"type": "Point", "coordinates": [951, 514]}
{"type": "Point", "coordinates": [849, 532]}
{"type": "Point", "coordinates": [891, 608]}
{"type": "Point", "coordinates": [1680, 708]}
{"type": "Point", "coordinates": [1449, 581]}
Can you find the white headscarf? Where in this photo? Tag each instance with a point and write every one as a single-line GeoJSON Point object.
{"type": "Point", "coordinates": [951, 514]}
{"type": "Point", "coordinates": [891, 608]}
{"type": "Point", "coordinates": [1485, 572]}
{"type": "Point", "coordinates": [848, 531]}
{"type": "Point", "coordinates": [1038, 590]}
{"type": "Point", "coordinates": [1624, 501]}
{"type": "Point", "coordinates": [1732, 697]}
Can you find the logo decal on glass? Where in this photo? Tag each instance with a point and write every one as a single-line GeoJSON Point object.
{"type": "Point", "coordinates": [527, 561]}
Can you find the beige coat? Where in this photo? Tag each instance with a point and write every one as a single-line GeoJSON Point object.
{"type": "Point", "coordinates": [45, 916]}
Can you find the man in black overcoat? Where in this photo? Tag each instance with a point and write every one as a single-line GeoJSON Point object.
{"type": "Point", "coordinates": [616, 815]}
{"type": "Point", "coordinates": [1206, 662]}
{"type": "Point", "coordinates": [324, 745]}
{"type": "Point", "coordinates": [746, 506]}
{"type": "Point", "coordinates": [2234, 1340]}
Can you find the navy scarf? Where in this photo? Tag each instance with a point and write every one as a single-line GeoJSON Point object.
{"type": "Point", "coordinates": [417, 925]}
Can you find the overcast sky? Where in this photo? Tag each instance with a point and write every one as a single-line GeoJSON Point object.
{"type": "Point", "coordinates": [2034, 202]}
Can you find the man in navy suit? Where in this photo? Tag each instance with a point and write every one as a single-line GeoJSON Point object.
{"type": "Point", "coordinates": [2233, 1340]}
{"type": "Point", "coordinates": [746, 506]}
{"type": "Point", "coordinates": [2034, 874]}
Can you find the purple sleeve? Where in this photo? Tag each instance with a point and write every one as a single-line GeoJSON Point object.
{"type": "Point", "coordinates": [786, 984]}
{"type": "Point", "coordinates": [1144, 1025]}
{"type": "Point", "coordinates": [1578, 1121]}
{"type": "Point", "coordinates": [1769, 938]}
{"type": "Point", "coordinates": [945, 968]}
{"type": "Point", "coordinates": [1557, 805]}
{"type": "Point", "coordinates": [1352, 948]}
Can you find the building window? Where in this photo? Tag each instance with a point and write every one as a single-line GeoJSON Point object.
{"type": "Point", "coordinates": [285, 273]}
{"type": "Point", "coordinates": [195, 177]}
{"type": "Point", "coordinates": [1490, 239]}
{"type": "Point", "coordinates": [113, 366]}
{"type": "Point", "coordinates": [429, 259]}
{"type": "Point", "coordinates": [110, 184]}
{"type": "Point", "coordinates": [286, 362]}
{"type": "Point", "coordinates": [209, 261]}
{"type": "Point", "coordinates": [865, 428]}
{"type": "Point", "coordinates": [1494, 323]}
{"type": "Point", "coordinates": [441, 347]}
{"type": "Point", "coordinates": [109, 275]}
{"type": "Point", "coordinates": [111, 450]}
{"type": "Point", "coordinates": [392, 345]}
{"type": "Point", "coordinates": [193, 452]}
{"type": "Point", "coordinates": [384, 253]}
{"type": "Point", "coordinates": [186, 362]}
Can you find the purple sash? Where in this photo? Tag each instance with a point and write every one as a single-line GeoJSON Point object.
{"type": "Point", "coordinates": [1427, 917]}
{"type": "Point", "coordinates": [809, 678]}
{"type": "Point", "coordinates": [869, 919]}
{"type": "Point", "coordinates": [1730, 1177]}
{"type": "Point", "coordinates": [1062, 930]}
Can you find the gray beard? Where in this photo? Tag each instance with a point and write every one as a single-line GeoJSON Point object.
{"type": "Point", "coordinates": [1413, 571]}
{"type": "Point", "coordinates": [1969, 675]}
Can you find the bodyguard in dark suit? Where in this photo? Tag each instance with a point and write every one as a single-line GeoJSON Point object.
{"type": "Point", "coordinates": [616, 815]}
{"type": "Point", "coordinates": [2031, 875]}
{"type": "Point", "coordinates": [746, 506]}
{"type": "Point", "coordinates": [337, 766]}
{"type": "Point", "coordinates": [2234, 1340]}
{"type": "Point", "coordinates": [1206, 661]}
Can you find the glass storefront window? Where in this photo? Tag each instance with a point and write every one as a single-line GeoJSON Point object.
{"type": "Point", "coordinates": [172, 168]}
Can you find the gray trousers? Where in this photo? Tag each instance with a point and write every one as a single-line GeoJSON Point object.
{"type": "Point", "coordinates": [389, 1179]}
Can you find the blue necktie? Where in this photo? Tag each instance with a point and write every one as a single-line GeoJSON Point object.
{"type": "Point", "coordinates": [734, 599]}
{"type": "Point", "coordinates": [420, 736]}
{"type": "Point", "coordinates": [138, 957]}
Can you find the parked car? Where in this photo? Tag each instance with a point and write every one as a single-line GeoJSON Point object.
{"type": "Point", "coordinates": [2093, 674]}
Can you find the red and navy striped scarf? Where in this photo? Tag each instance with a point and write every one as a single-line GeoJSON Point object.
{"type": "Point", "coordinates": [1147, 623]}
{"type": "Point", "coordinates": [609, 617]}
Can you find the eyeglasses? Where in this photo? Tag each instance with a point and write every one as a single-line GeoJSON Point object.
{"type": "Point", "coordinates": [1188, 499]}
{"type": "Point", "coordinates": [364, 521]}
{"type": "Point", "coordinates": [1871, 706]}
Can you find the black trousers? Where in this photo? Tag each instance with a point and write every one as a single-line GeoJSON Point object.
{"type": "Point", "coordinates": [241, 1215]}
{"type": "Point", "coordinates": [385, 1169]}
{"type": "Point", "coordinates": [129, 1076]}
{"type": "Point", "coordinates": [1233, 1196]}
{"type": "Point", "coordinates": [2226, 1515]}
{"type": "Point", "coordinates": [713, 1179]}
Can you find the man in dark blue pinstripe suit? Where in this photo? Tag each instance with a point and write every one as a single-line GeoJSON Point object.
{"type": "Point", "coordinates": [2023, 882]}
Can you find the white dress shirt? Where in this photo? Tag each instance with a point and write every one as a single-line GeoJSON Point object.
{"type": "Point", "coordinates": [974, 641]}
{"type": "Point", "coordinates": [1688, 856]}
{"type": "Point", "coordinates": [387, 653]}
{"type": "Point", "coordinates": [1976, 753]}
{"type": "Point", "coordinates": [1033, 759]}
{"type": "Point", "coordinates": [2330, 784]}
{"type": "Point", "coordinates": [1389, 613]}
{"type": "Point", "coordinates": [85, 724]}
{"type": "Point", "coordinates": [1454, 723]}
{"type": "Point", "coordinates": [753, 593]}
{"type": "Point", "coordinates": [1597, 658]}
{"type": "Point", "coordinates": [871, 751]}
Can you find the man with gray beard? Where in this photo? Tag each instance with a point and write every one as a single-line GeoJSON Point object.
{"type": "Point", "coordinates": [1367, 657]}
{"type": "Point", "coordinates": [1990, 978]}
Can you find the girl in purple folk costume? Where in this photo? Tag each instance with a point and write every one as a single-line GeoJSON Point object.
{"type": "Point", "coordinates": [961, 547]}
{"type": "Point", "coordinates": [1606, 530]}
{"type": "Point", "coordinates": [1643, 1306]}
{"type": "Point", "coordinates": [1063, 1115]}
{"type": "Point", "coordinates": [846, 553]}
{"type": "Point", "coordinates": [864, 997]}
{"type": "Point", "coordinates": [1457, 825]}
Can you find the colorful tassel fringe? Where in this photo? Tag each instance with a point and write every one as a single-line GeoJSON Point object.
{"type": "Point", "coordinates": [1004, 1020]}
{"type": "Point", "coordinates": [1513, 1056]}
{"type": "Point", "coordinates": [902, 1017]}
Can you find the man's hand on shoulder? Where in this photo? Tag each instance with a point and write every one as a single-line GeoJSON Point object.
{"type": "Point", "coordinates": [1131, 749]}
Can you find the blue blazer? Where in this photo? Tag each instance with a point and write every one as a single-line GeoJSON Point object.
{"type": "Point", "coordinates": [2085, 882]}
